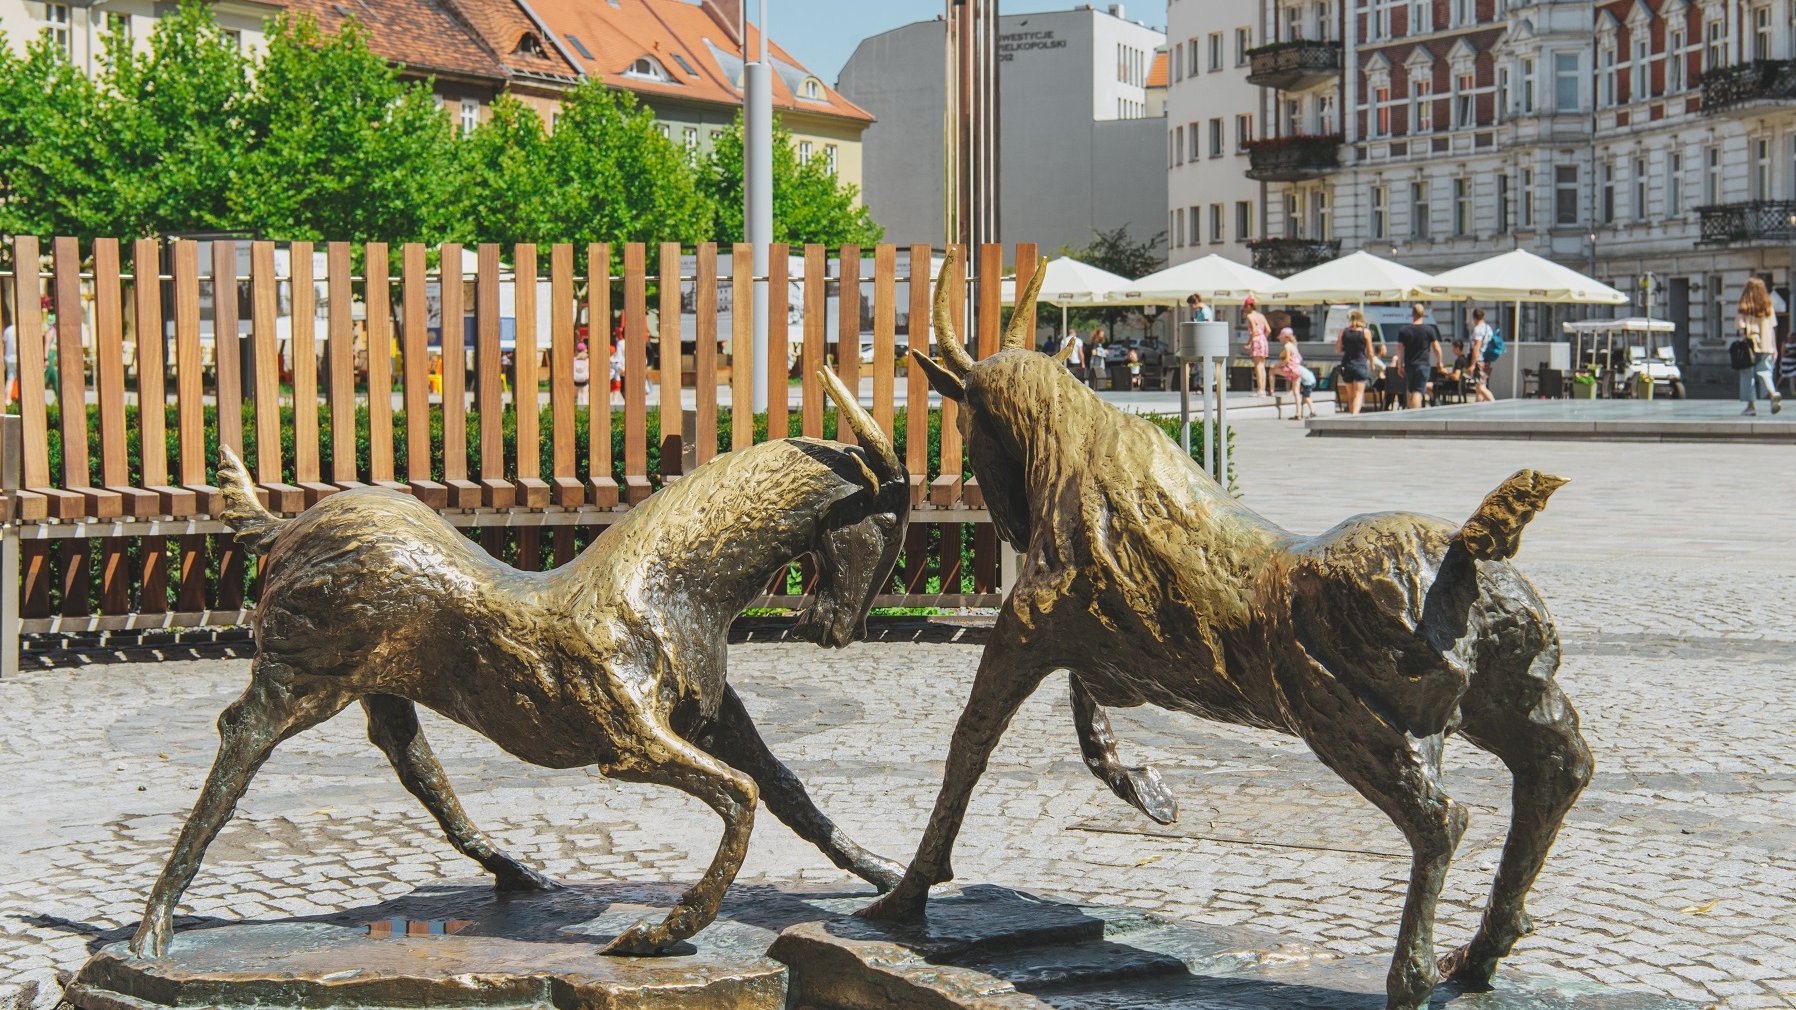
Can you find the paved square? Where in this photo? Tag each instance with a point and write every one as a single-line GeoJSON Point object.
{"type": "Point", "coordinates": [1668, 567]}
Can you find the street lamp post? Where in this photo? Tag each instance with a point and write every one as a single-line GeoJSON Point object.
{"type": "Point", "coordinates": [757, 186]}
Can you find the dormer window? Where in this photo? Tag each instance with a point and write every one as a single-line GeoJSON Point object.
{"type": "Point", "coordinates": [648, 69]}
{"type": "Point", "coordinates": [811, 90]}
{"type": "Point", "coordinates": [528, 45]}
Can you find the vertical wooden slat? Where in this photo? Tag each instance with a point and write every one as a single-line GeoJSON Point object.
{"type": "Point", "coordinates": [916, 386]}
{"type": "Point", "coordinates": [339, 359]}
{"type": "Point", "coordinates": [636, 368]}
{"type": "Point", "coordinates": [377, 294]}
{"type": "Point", "coordinates": [946, 487]}
{"type": "Point", "coordinates": [704, 352]}
{"type": "Point", "coordinates": [307, 471]}
{"type": "Point", "coordinates": [778, 308]}
{"type": "Point", "coordinates": [264, 314]}
{"type": "Point", "coordinates": [71, 356]}
{"type": "Point", "coordinates": [742, 346]}
{"type": "Point", "coordinates": [668, 340]}
{"type": "Point", "coordinates": [152, 421]}
{"type": "Point", "coordinates": [990, 294]}
{"type": "Point", "coordinates": [598, 344]}
{"type": "Point", "coordinates": [848, 330]}
{"type": "Point", "coordinates": [226, 354]}
{"type": "Point", "coordinates": [532, 490]}
{"type": "Point", "coordinates": [530, 553]}
{"type": "Point", "coordinates": [415, 360]}
{"type": "Point", "coordinates": [463, 493]}
{"type": "Point", "coordinates": [563, 477]}
{"type": "Point", "coordinates": [885, 331]}
{"type": "Point", "coordinates": [109, 391]}
{"type": "Point", "coordinates": [816, 338]}
{"type": "Point", "coordinates": [495, 490]}
{"type": "Point", "coordinates": [190, 392]}
{"type": "Point", "coordinates": [40, 501]}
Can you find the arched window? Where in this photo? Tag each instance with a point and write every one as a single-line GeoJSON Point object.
{"type": "Point", "coordinates": [528, 45]}
{"type": "Point", "coordinates": [646, 68]}
{"type": "Point", "coordinates": [812, 89]}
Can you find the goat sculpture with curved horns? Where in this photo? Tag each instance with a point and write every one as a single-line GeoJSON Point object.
{"type": "Point", "coordinates": [616, 659]}
{"type": "Point", "coordinates": [1373, 642]}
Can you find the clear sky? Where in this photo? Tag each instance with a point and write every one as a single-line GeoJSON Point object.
{"type": "Point", "coordinates": [823, 33]}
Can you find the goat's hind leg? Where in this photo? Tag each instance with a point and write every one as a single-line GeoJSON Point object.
{"type": "Point", "coordinates": [660, 757]}
{"type": "Point", "coordinates": [248, 730]}
{"type": "Point", "coordinates": [1139, 786]}
{"type": "Point", "coordinates": [393, 726]}
{"type": "Point", "coordinates": [1533, 729]}
{"type": "Point", "coordinates": [735, 740]}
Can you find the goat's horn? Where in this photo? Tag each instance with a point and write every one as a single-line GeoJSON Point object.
{"type": "Point", "coordinates": [1022, 320]}
{"type": "Point", "coordinates": [1065, 352]}
{"type": "Point", "coordinates": [1494, 532]}
{"type": "Point", "coordinates": [871, 435]}
{"type": "Point", "coordinates": [947, 339]}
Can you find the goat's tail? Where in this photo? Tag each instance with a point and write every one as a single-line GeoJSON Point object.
{"type": "Point", "coordinates": [1494, 532]}
{"type": "Point", "coordinates": [253, 526]}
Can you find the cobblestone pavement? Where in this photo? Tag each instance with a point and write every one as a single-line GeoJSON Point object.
{"type": "Point", "coordinates": [1667, 567]}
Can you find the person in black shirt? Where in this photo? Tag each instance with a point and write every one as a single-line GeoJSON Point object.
{"type": "Point", "coordinates": [1420, 345]}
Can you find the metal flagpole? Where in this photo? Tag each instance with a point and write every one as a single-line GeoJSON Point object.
{"type": "Point", "coordinates": [757, 186]}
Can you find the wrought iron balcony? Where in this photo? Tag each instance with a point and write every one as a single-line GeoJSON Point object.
{"type": "Point", "coordinates": [1283, 257]}
{"type": "Point", "coordinates": [1748, 87]}
{"type": "Point", "coordinates": [1294, 64]}
{"type": "Point", "coordinates": [1292, 159]}
{"type": "Point", "coordinates": [1755, 222]}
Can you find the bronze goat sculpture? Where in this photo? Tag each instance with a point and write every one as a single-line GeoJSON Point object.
{"type": "Point", "coordinates": [616, 659]}
{"type": "Point", "coordinates": [1372, 642]}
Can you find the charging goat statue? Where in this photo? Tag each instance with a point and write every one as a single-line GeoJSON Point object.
{"type": "Point", "coordinates": [614, 660]}
{"type": "Point", "coordinates": [1373, 642]}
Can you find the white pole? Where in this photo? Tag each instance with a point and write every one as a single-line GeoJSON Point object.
{"type": "Point", "coordinates": [1515, 360]}
{"type": "Point", "coordinates": [757, 191]}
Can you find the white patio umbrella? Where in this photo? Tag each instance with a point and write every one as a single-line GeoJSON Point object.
{"type": "Point", "coordinates": [1357, 277]}
{"type": "Point", "coordinates": [1221, 281]}
{"type": "Point", "coordinates": [1070, 282]}
{"type": "Point", "coordinates": [1520, 276]}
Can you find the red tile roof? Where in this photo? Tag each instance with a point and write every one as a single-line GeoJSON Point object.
{"type": "Point", "coordinates": [613, 34]}
{"type": "Point", "coordinates": [513, 37]}
{"type": "Point", "coordinates": [1157, 75]}
{"type": "Point", "coordinates": [420, 35]}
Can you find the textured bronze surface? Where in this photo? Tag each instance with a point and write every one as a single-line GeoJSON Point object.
{"type": "Point", "coordinates": [1373, 642]}
{"type": "Point", "coordinates": [994, 949]}
{"type": "Point", "coordinates": [614, 660]}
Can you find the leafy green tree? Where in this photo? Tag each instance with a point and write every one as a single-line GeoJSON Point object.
{"type": "Point", "coordinates": [809, 203]}
{"type": "Point", "coordinates": [504, 192]}
{"type": "Point", "coordinates": [52, 180]}
{"type": "Point", "coordinates": [342, 149]}
{"type": "Point", "coordinates": [1116, 252]}
{"type": "Point", "coordinates": [172, 119]}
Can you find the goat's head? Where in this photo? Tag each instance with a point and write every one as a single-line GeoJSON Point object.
{"type": "Point", "coordinates": [859, 539]}
{"type": "Point", "coordinates": [1000, 398]}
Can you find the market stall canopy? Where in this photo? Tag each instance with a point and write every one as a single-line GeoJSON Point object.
{"type": "Point", "coordinates": [1221, 281]}
{"type": "Point", "coordinates": [1070, 282]}
{"type": "Point", "coordinates": [1521, 276]}
{"type": "Point", "coordinates": [1356, 277]}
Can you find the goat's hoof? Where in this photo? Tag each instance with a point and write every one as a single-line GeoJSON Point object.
{"type": "Point", "coordinates": [1468, 971]}
{"type": "Point", "coordinates": [903, 903]}
{"type": "Point", "coordinates": [519, 877]}
{"type": "Point", "coordinates": [151, 938]}
{"type": "Point", "coordinates": [645, 940]}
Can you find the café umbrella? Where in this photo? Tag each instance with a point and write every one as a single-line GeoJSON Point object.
{"type": "Point", "coordinates": [1520, 276]}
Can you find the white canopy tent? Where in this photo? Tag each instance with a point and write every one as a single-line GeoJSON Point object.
{"type": "Point", "coordinates": [1520, 276]}
{"type": "Point", "coordinates": [1357, 277]}
{"type": "Point", "coordinates": [1070, 282]}
{"type": "Point", "coordinates": [1221, 281]}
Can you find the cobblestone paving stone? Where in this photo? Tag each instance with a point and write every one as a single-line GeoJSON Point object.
{"type": "Point", "coordinates": [1676, 873]}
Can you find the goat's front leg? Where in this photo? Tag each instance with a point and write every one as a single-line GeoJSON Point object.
{"type": "Point", "coordinates": [393, 726]}
{"type": "Point", "coordinates": [659, 756]}
{"type": "Point", "coordinates": [734, 739]}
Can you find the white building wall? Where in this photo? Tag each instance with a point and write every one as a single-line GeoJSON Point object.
{"type": "Point", "coordinates": [1209, 195]}
{"type": "Point", "coordinates": [81, 28]}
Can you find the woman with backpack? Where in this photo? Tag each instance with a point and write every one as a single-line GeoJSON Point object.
{"type": "Point", "coordinates": [1751, 354]}
{"type": "Point", "coordinates": [1487, 347]}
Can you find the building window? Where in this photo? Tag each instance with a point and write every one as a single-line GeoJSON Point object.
{"type": "Point", "coordinates": [1293, 117]}
{"type": "Point", "coordinates": [1566, 75]}
{"type": "Point", "coordinates": [1324, 24]}
{"type": "Point", "coordinates": [689, 137]}
{"type": "Point", "coordinates": [1380, 213]}
{"type": "Point", "coordinates": [1215, 51]}
{"type": "Point", "coordinates": [1319, 215]}
{"type": "Point", "coordinates": [1640, 189]}
{"type": "Point", "coordinates": [1761, 169]}
{"type": "Point", "coordinates": [1637, 83]}
{"type": "Point", "coordinates": [648, 69]}
{"type": "Point", "coordinates": [1216, 137]}
{"type": "Point", "coordinates": [1422, 102]}
{"type": "Point", "coordinates": [1565, 194]}
{"type": "Point", "coordinates": [1215, 223]}
{"type": "Point", "coordinates": [1294, 214]}
{"type": "Point", "coordinates": [1178, 145]}
{"type": "Point", "coordinates": [58, 17]}
{"type": "Point", "coordinates": [1502, 203]}
{"type": "Point", "coordinates": [1243, 42]}
{"type": "Point", "coordinates": [804, 152]}
{"type": "Point", "coordinates": [1381, 111]}
{"type": "Point", "coordinates": [1195, 216]}
{"type": "Point", "coordinates": [1462, 207]}
{"type": "Point", "coordinates": [1465, 104]}
{"type": "Point", "coordinates": [1243, 219]}
{"type": "Point", "coordinates": [1606, 208]}
{"type": "Point", "coordinates": [1674, 62]}
{"type": "Point", "coordinates": [1714, 52]}
{"type": "Point", "coordinates": [1527, 208]}
{"type": "Point", "coordinates": [1711, 178]}
{"type": "Point", "coordinates": [234, 37]}
{"type": "Point", "coordinates": [1761, 32]}
{"type": "Point", "coordinates": [1527, 89]}
{"type": "Point", "coordinates": [1178, 228]}
{"type": "Point", "coordinates": [1243, 131]}
{"type": "Point", "coordinates": [664, 130]}
{"type": "Point", "coordinates": [1325, 114]}
{"type": "Point", "coordinates": [1464, 13]}
{"type": "Point", "coordinates": [1606, 75]}
{"type": "Point", "coordinates": [1505, 95]}
{"type": "Point", "coordinates": [1418, 210]}
{"type": "Point", "coordinates": [1195, 141]}
{"type": "Point", "coordinates": [1421, 16]}
{"type": "Point", "coordinates": [470, 115]}
{"type": "Point", "coordinates": [1674, 192]}
{"type": "Point", "coordinates": [118, 25]}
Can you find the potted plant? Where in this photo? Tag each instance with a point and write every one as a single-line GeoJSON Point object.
{"type": "Point", "coordinates": [1583, 386]}
{"type": "Point", "coordinates": [1643, 386]}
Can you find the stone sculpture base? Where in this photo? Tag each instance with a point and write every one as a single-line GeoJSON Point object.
{"type": "Point", "coordinates": [986, 948]}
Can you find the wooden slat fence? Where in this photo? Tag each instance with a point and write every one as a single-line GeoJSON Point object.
{"type": "Point", "coordinates": [332, 375]}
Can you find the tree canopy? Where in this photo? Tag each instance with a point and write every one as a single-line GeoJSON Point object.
{"type": "Point", "coordinates": [320, 138]}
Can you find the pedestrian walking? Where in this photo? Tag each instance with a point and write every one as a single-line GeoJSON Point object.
{"type": "Point", "coordinates": [1099, 356]}
{"type": "Point", "coordinates": [1259, 346]}
{"type": "Point", "coordinates": [1354, 344]}
{"type": "Point", "coordinates": [1485, 352]}
{"type": "Point", "coordinates": [582, 373]}
{"type": "Point", "coordinates": [1075, 361]}
{"type": "Point", "coordinates": [1419, 351]}
{"type": "Point", "coordinates": [1786, 363]}
{"type": "Point", "coordinates": [1757, 323]}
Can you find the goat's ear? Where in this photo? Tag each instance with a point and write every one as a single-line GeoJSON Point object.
{"type": "Point", "coordinates": [942, 380]}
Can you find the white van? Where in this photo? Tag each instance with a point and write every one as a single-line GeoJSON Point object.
{"type": "Point", "coordinates": [1383, 320]}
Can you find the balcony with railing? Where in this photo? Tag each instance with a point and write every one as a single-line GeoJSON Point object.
{"type": "Point", "coordinates": [1294, 64]}
{"type": "Point", "coordinates": [1754, 222]}
{"type": "Point", "coordinates": [1749, 87]}
{"type": "Point", "coordinates": [1293, 159]}
{"type": "Point", "coordinates": [1283, 257]}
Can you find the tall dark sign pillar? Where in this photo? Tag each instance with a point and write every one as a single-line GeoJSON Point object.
{"type": "Point", "coordinates": [971, 186]}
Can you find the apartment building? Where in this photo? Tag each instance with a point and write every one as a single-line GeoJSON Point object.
{"type": "Point", "coordinates": [80, 29]}
{"type": "Point", "coordinates": [1212, 119]}
{"type": "Point", "coordinates": [1631, 139]}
